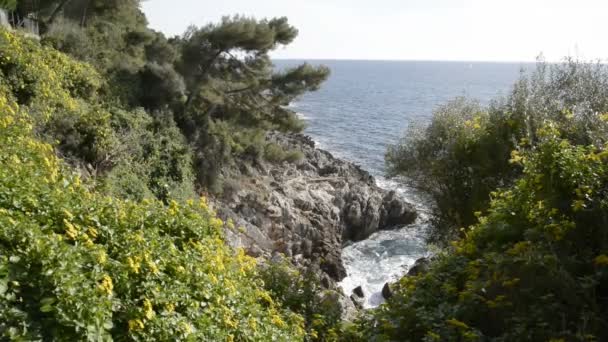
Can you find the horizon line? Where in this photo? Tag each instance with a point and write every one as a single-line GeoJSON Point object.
{"type": "Point", "coordinates": [421, 60]}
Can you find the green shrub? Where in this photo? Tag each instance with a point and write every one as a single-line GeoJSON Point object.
{"type": "Point", "coordinates": [77, 265]}
{"type": "Point", "coordinates": [276, 154]}
{"type": "Point", "coordinates": [132, 153]}
{"type": "Point", "coordinates": [153, 150]}
{"type": "Point", "coordinates": [8, 4]}
{"type": "Point", "coordinates": [463, 155]}
{"type": "Point", "coordinates": [535, 268]}
{"type": "Point", "coordinates": [294, 156]}
{"type": "Point", "coordinates": [459, 159]}
{"type": "Point", "coordinates": [300, 291]}
{"type": "Point", "coordinates": [60, 95]}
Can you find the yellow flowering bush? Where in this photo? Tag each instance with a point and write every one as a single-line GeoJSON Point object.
{"type": "Point", "coordinates": [533, 269]}
{"type": "Point", "coordinates": [43, 78]}
{"type": "Point", "coordinates": [61, 96]}
{"type": "Point", "coordinates": [79, 265]}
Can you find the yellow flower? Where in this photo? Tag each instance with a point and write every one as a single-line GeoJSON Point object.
{"type": "Point", "coordinates": [515, 157]}
{"type": "Point", "coordinates": [216, 223]}
{"type": "Point", "coordinates": [88, 242]}
{"type": "Point", "coordinates": [266, 297]}
{"type": "Point", "coordinates": [173, 208]}
{"type": "Point", "coordinates": [68, 214]}
{"type": "Point", "coordinates": [106, 286]}
{"type": "Point", "coordinates": [203, 203]}
{"type": "Point", "coordinates": [92, 233]}
{"type": "Point", "coordinates": [133, 264]}
{"type": "Point", "coordinates": [101, 257]}
{"type": "Point", "coordinates": [185, 328]}
{"type": "Point", "coordinates": [136, 324]}
{"type": "Point", "coordinates": [278, 321]}
{"type": "Point", "coordinates": [70, 230]}
{"type": "Point", "coordinates": [253, 324]}
{"type": "Point", "coordinates": [148, 310]}
{"type": "Point", "coordinates": [138, 237]}
{"type": "Point", "coordinates": [170, 307]}
{"type": "Point", "coordinates": [152, 266]}
{"type": "Point", "coordinates": [601, 260]}
{"type": "Point", "coordinates": [229, 321]}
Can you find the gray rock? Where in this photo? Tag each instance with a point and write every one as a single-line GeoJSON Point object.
{"type": "Point", "coordinates": [387, 292]}
{"type": "Point", "coordinates": [348, 310]}
{"type": "Point", "coordinates": [357, 301]}
{"type": "Point", "coordinates": [312, 208]}
{"type": "Point", "coordinates": [358, 291]}
{"type": "Point", "coordinates": [274, 211]}
{"type": "Point", "coordinates": [396, 211]}
{"type": "Point", "coordinates": [421, 266]}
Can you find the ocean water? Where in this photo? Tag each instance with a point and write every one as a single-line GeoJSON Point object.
{"type": "Point", "coordinates": [365, 106]}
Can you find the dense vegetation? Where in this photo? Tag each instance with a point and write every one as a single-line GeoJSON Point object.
{"type": "Point", "coordinates": [527, 178]}
{"type": "Point", "coordinates": [78, 265]}
{"type": "Point", "coordinates": [100, 164]}
{"type": "Point", "coordinates": [109, 130]}
{"type": "Point", "coordinates": [205, 98]}
{"type": "Point", "coordinates": [467, 151]}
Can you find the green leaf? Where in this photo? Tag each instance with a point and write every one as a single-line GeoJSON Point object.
{"type": "Point", "coordinates": [46, 308]}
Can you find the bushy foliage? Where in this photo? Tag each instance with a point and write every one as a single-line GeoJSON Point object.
{"type": "Point", "coordinates": [135, 154]}
{"type": "Point", "coordinates": [535, 268]}
{"type": "Point", "coordinates": [60, 94]}
{"type": "Point", "coordinates": [217, 80]}
{"type": "Point", "coordinates": [275, 153]}
{"type": "Point", "coordinates": [464, 153]}
{"type": "Point", "coordinates": [152, 159]}
{"type": "Point", "coordinates": [300, 291]}
{"type": "Point", "coordinates": [231, 85]}
{"type": "Point", "coordinates": [77, 265]}
{"type": "Point", "coordinates": [8, 4]}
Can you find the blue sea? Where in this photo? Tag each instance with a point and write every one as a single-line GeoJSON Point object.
{"type": "Point", "coordinates": [367, 105]}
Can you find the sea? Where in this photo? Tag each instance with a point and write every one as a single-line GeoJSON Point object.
{"type": "Point", "coordinates": [365, 106]}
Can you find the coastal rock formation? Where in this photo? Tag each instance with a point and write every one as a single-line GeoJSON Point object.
{"type": "Point", "coordinates": [309, 208]}
{"type": "Point", "coordinates": [421, 266]}
{"type": "Point", "coordinates": [358, 291]}
{"type": "Point", "coordinates": [387, 291]}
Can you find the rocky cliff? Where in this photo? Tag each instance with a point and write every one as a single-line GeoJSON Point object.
{"type": "Point", "coordinates": [306, 209]}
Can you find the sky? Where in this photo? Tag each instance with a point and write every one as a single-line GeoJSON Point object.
{"type": "Point", "coordinates": [459, 30]}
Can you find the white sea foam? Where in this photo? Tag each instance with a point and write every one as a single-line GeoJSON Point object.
{"type": "Point", "coordinates": [302, 116]}
{"type": "Point", "coordinates": [386, 255]}
{"type": "Point", "coordinates": [355, 116]}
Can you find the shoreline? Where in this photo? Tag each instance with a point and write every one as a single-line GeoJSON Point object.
{"type": "Point", "coordinates": [358, 275]}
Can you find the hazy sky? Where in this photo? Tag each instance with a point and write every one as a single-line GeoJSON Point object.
{"type": "Point", "coordinates": [491, 30]}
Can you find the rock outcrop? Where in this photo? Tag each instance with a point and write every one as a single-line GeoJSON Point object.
{"type": "Point", "coordinates": [421, 266]}
{"type": "Point", "coordinates": [308, 208]}
{"type": "Point", "coordinates": [387, 291]}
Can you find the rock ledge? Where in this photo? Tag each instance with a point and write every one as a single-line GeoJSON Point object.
{"type": "Point", "coordinates": [309, 208]}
